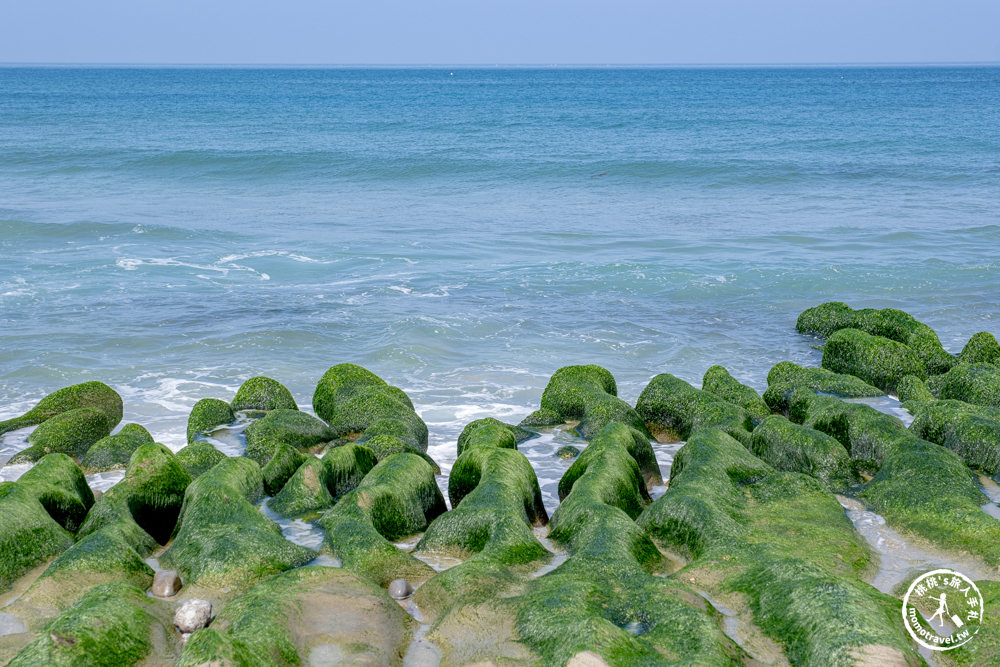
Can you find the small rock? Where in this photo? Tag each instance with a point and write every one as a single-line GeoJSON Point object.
{"type": "Point", "coordinates": [400, 589]}
{"type": "Point", "coordinates": [586, 659]}
{"type": "Point", "coordinates": [166, 583]}
{"type": "Point", "coordinates": [192, 615]}
{"type": "Point", "coordinates": [568, 452]}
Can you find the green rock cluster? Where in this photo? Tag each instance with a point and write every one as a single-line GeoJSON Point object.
{"type": "Point", "coordinates": [114, 451]}
{"type": "Point", "coordinates": [71, 432]}
{"type": "Point", "coordinates": [971, 431]}
{"type": "Point", "coordinates": [718, 381]}
{"type": "Point", "coordinates": [978, 384]}
{"type": "Point", "coordinates": [981, 348]}
{"type": "Point", "coordinates": [587, 394]}
{"type": "Point", "coordinates": [880, 361]}
{"type": "Point", "coordinates": [794, 448]}
{"type": "Point", "coordinates": [672, 405]}
{"type": "Point", "coordinates": [316, 483]}
{"type": "Point", "coordinates": [785, 377]}
{"type": "Point", "coordinates": [290, 427]}
{"type": "Point", "coordinates": [95, 395]}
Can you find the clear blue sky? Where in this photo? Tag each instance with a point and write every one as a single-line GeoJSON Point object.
{"type": "Point", "coordinates": [509, 32]}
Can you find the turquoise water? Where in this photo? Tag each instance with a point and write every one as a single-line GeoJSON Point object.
{"type": "Point", "coordinates": [464, 233]}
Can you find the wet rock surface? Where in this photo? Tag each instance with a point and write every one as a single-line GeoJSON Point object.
{"type": "Point", "coordinates": [193, 615]}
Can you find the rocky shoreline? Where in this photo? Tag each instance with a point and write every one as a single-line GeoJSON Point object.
{"type": "Point", "coordinates": [747, 558]}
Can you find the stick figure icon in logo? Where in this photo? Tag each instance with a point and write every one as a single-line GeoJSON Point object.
{"type": "Point", "coordinates": [941, 610]}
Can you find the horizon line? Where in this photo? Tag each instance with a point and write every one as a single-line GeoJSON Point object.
{"type": "Point", "coordinates": [292, 65]}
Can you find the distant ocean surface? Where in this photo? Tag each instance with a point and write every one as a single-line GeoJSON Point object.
{"type": "Point", "coordinates": [464, 233]}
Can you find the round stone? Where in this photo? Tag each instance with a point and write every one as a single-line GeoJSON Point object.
{"type": "Point", "coordinates": [193, 615]}
{"type": "Point", "coordinates": [166, 583]}
{"type": "Point", "coordinates": [568, 452]}
{"type": "Point", "coordinates": [400, 589]}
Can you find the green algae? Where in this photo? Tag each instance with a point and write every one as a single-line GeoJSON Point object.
{"type": "Point", "coordinates": [384, 446]}
{"type": "Point", "coordinates": [794, 448]}
{"type": "Point", "coordinates": [114, 451]}
{"type": "Point", "coordinates": [718, 381]}
{"type": "Point", "coordinates": [285, 460]}
{"type": "Point", "coordinates": [306, 490]}
{"type": "Point", "coordinates": [502, 435]}
{"type": "Point", "coordinates": [206, 415]}
{"type": "Point", "coordinates": [199, 457]}
{"type": "Point", "coordinates": [671, 404]}
{"type": "Point", "coordinates": [632, 443]}
{"type": "Point", "coordinates": [60, 486]}
{"type": "Point", "coordinates": [28, 534]}
{"type": "Point", "coordinates": [96, 395]}
{"type": "Point", "coordinates": [877, 360]}
{"type": "Point", "coordinates": [346, 466]}
{"type": "Point", "coordinates": [981, 348]}
{"type": "Point", "coordinates": [263, 393]}
{"type": "Point", "coordinates": [291, 427]}
{"type": "Point", "coordinates": [971, 431]}
{"type": "Point", "coordinates": [71, 432]}
{"type": "Point", "coordinates": [912, 388]}
{"type": "Point", "coordinates": [978, 384]}
{"type": "Point", "coordinates": [785, 378]}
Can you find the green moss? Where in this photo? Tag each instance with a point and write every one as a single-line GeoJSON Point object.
{"type": "Point", "coordinates": [971, 431]}
{"type": "Point", "coordinates": [28, 535]}
{"type": "Point", "coordinates": [306, 491]}
{"type": "Point", "coordinates": [399, 497]}
{"type": "Point", "coordinates": [71, 432]}
{"type": "Point", "coordinates": [285, 460]}
{"type": "Point", "coordinates": [913, 389]}
{"type": "Point", "coordinates": [828, 318]}
{"type": "Point", "coordinates": [633, 443]}
{"type": "Point", "coordinates": [973, 383]}
{"type": "Point", "coordinates": [588, 394]}
{"type": "Point", "coordinates": [785, 378]}
{"type": "Point", "coordinates": [223, 540]}
{"type": "Point", "coordinates": [110, 625]}
{"type": "Point", "coordinates": [346, 466]}
{"type": "Point", "coordinates": [59, 485]}
{"type": "Point", "coordinates": [209, 646]}
{"type": "Point", "coordinates": [567, 452]}
{"type": "Point", "coordinates": [880, 361]}
{"type": "Point", "coordinates": [353, 400]}
{"type": "Point", "coordinates": [867, 434]}
{"type": "Point", "coordinates": [384, 446]}
{"type": "Point", "coordinates": [718, 381]}
{"type": "Point", "coordinates": [493, 431]}
{"type": "Point", "coordinates": [206, 415]}
{"type": "Point", "coordinates": [96, 395]}
{"type": "Point", "coordinates": [114, 451]}
{"type": "Point", "coordinates": [672, 404]}
{"type": "Point", "coordinates": [985, 648]}
{"type": "Point", "coordinates": [981, 348]}
{"type": "Point", "coordinates": [263, 393]}
{"type": "Point", "coordinates": [793, 448]}
{"type": "Point", "coordinates": [302, 431]}
{"type": "Point", "coordinates": [199, 457]}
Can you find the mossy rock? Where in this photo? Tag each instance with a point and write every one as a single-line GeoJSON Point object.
{"type": "Point", "coordinates": [493, 431]}
{"type": "Point", "coordinates": [672, 404]}
{"type": "Point", "coordinates": [71, 432]}
{"type": "Point", "coordinates": [110, 625]}
{"type": "Point", "coordinates": [784, 378]}
{"type": "Point", "coordinates": [223, 541]}
{"type": "Point", "coordinates": [793, 448]}
{"type": "Point", "coordinates": [353, 400]}
{"type": "Point", "coordinates": [28, 534]}
{"type": "Point", "coordinates": [115, 451]}
{"type": "Point", "coordinates": [199, 457]}
{"type": "Point", "coordinates": [868, 435]}
{"type": "Point", "coordinates": [718, 381]}
{"type": "Point", "coordinates": [971, 431]}
{"type": "Point", "coordinates": [587, 394]}
{"type": "Point", "coordinates": [567, 452]}
{"type": "Point", "coordinates": [981, 348]}
{"type": "Point", "coordinates": [96, 395]}
{"type": "Point", "coordinates": [206, 415]}
{"type": "Point", "coordinates": [913, 389]}
{"type": "Point", "coordinates": [291, 427]}
{"type": "Point", "coordinates": [306, 490]}
{"type": "Point", "coordinates": [978, 384]}
{"type": "Point", "coordinates": [634, 443]}
{"type": "Point", "coordinates": [60, 486]}
{"type": "Point", "coordinates": [346, 466]}
{"type": "Point", "coordinates": [880, 361]}
{"type": "Point", "coordinates": [384, 446]}
{"type": "Point", "coordinates": [263, 393]}
{"type": "Point", "coordinates": [285, 460]}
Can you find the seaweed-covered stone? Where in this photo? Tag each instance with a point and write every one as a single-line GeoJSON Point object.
{"type": "Point", "coordinates": [567, 452]}
{"type": "Point", "coordinates": [385, 446]}
{"type": "Point", "coordinates": [306, 491]}
{"type": "Point", "coordinates": [981, 348]}
{"type": "Point", "coordinates": [263, 393]}
{"type": "Point", "coordinates": [115, 451]}
{"type": "Point", "coordinates": [793, 448]}
{"type": "Point", "coordinates": [110, 625]}
{"type": "Point", "coordinates": [973, 383]}
{"type": "Point", "coordinates": [671, 404]}
{"type": "Point", "coordinates": [828, 318]}
{"type": "Point", "coordinates": [867, 434]}
{"type": "Point", "coordinates": [399, 497]}
{"type": "Point", "coordinates": [71, 432]}
{"type": "Point", "coordinates": [28, 535]}
{"type": "Point", "coordinates": [298, 429]}
{"type": "Point", "coordinates": [785, 377]}
{"type": "Point", "coordinates": [912, 388]}
{"type": "Point", "coordinates": [880, 361]}
{"type": "Point", "coordinates": [96, 395]}
{"type": "Point", "coordinates": [285, 460]}
{"type": "Point", "coordinates": [199, 457]}
{"type": "Point", "coordinates": [60, 486]}
{"type": "Point", "coordinates": [718, 381]}
{"type": "Point", "coordinates": [346, 466]}
{"type": "Point", "coordinates": [971, 431]}
{"type": "Point", "coordinates": [633, 443]}
{"type": "Point", "coordinates": [353, 400]}
{"type": "Point", "coordinates": [585, 393]}
{"type": "Point", "coordinates": [223, 540]}
{"type": "Point", "coordinates": [493, 430]}
{"type": "Point", "coordinates": [206, 415]}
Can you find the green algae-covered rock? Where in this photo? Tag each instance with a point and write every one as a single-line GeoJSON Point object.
{"type": "Point", "coordinates": [494, 430]}
{"type": "Point", "coordinates": [302, 431]}
{"type": "Point", "coordinates": [567, 452]}
{"type": "Point", "coordinates": [306, 491]}
{"type": "Point", "coordinates": [585, 393]}
{"type": "Point", "coordinates": [96, 395]}
{"type": "Point", "coordinates": [971, 431]}
{"type": "Point", "coordinates": [671, 404]}
{"type": "Point", "coordinates": [399, 497]}
{"type": "Point", "coordinates": [60, 486]}
{"type": "Point", "coordinates": [199, 457]}
{"type": "Point", "coordinates": [981, 348]}
{"type": "Point", "coordinates": [110, 625]}
{"type": "Point", "coordinates": [305, 616]}
{"type": "Point", "coordinates": [912, 388]}
{"type": "Point", "coordinates": [718, 381]}
{"type": "Point", "coordinates": [115, 451]}
{"type": "Point", "coordinates": [828, 318]}
{"type": "Point", "coordinates": [785, 377]}
{"type": "Point", "coordinates": [793, 448]}
{"type": "Point", "coordinates": [28, 535]}
{"type": "Point", "coordinates": [880, 361]}
{"type": "Point", "coordinates": [223, 540]}
{"type": "Point", "coordinates": [978, 384]}
{"type": "Point", "coordinates": [633, 443]}
{"type": "Point", "coordinates": [385, 446]}
{"type": "Point", "coordinates": [285, 460]}
{"type": "Point", "coordinates": [354, 400]}
{"type": "Point", "coordinates": [71, 432]}
{"type": "Point", "coordinates": [867, 434]}
{"type": "Point", "coordinates": [346, 466]}
{"type": "Point", "coordinates": [263, 393]}
{"type": "Point", "coordinates": [206, 415]}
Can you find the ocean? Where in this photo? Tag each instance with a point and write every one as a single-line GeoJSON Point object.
{"type": "Point", "coordinates": [465, 232]}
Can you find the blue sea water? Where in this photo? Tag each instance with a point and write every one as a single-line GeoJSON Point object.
{"type": "Point", "coordinates": [464, 233]}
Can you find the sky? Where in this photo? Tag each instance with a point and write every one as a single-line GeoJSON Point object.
{"type": "Point", "coordinates": [455, 32]}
